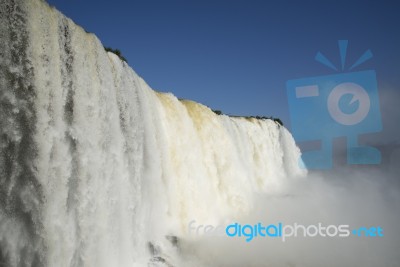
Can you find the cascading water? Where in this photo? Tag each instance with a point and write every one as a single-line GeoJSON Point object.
{"type": "Point", "coordinates": [95, 167]}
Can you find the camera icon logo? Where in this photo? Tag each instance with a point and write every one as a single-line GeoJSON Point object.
{"type": "Point", "coordinates": [325, 107]}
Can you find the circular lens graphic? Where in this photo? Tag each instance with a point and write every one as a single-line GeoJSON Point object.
{"type": "Point", "coordinates": [358, 93]}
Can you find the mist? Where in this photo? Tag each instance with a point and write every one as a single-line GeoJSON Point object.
{"type": "Point", "coordinates": [357, 197]}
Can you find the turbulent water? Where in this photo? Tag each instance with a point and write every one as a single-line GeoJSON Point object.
{"type": "Point", "coordinates": [97, 168]}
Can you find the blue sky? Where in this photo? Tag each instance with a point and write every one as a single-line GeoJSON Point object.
{"type": "Point", "coordinates": [236, 56]}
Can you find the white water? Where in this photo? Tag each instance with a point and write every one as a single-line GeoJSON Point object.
{"type": "Point", "coordinates": [95, 164]}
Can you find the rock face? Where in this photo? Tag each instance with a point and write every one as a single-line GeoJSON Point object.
{"type": "Point", "coordinates": [94, 164]}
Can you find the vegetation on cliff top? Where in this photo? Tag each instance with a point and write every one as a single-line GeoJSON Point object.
{"type": "Point", "coordinates": [277, 120]}
{"type": "Point", "coordinates": [117, 52]}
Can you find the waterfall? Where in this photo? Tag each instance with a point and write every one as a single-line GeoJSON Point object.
{"type": "Point", "coordinates": [95, 166]}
